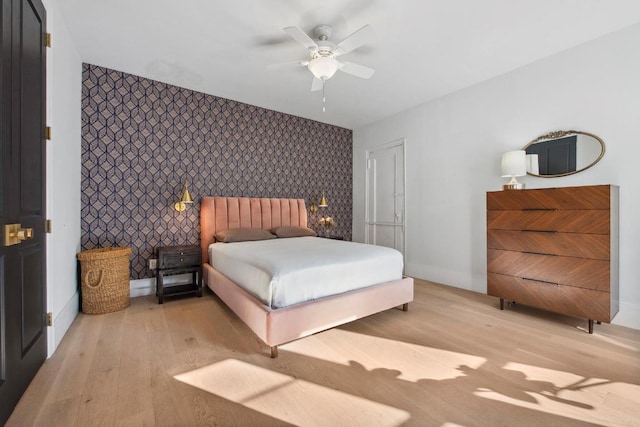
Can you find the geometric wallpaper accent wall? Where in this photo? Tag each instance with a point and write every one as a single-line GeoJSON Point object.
{"type": "Point", "coordinates": [142, 139]}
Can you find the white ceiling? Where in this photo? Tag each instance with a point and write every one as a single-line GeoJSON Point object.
{"type": "Point", "coordinates": [423, 49]}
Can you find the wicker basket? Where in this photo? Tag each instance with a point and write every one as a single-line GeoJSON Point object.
{"type": "Point", "coordinates": [105, 279]}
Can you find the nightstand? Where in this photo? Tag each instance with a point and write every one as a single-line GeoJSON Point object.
{"type": "Point", "coordinates": [174, 260]}
{"type": "Point", "coordinates": [332, 237]}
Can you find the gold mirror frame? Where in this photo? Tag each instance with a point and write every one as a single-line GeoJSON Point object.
{"type": "Point", "coordinates": [561, 134]}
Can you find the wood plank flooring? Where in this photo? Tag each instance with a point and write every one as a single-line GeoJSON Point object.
{"type": "Point", "coordinates": [453, 359]}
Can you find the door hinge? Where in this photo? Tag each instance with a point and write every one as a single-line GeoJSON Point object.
{"type": "Point", "coordinates": [47, 39]}
{"type": "Point", "coordinates": [47, 226]}
{"type": "Point", "coordinates": [49, 319]}
{"type": "Point", "coordinates": [47, 132]}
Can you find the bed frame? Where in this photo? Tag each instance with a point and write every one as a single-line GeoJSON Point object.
{"type": "Point", "coordinates": [282, 325]}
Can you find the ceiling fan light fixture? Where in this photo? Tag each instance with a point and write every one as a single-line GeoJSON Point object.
{"type": "Point", "coordinates": [323, 68]}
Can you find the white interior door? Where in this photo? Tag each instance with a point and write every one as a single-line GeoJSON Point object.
{"type": "Point", "coordinates": [385, 198]}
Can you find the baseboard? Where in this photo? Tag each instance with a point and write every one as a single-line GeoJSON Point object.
{"type": "Point", "coordinates": [462, 280]}
{"type": "Point", "coordinates": [629, 315]}
{"type": "Point", "coordinates": [144, 287]}
{"type": "Point", "coordinates": [61, 323]}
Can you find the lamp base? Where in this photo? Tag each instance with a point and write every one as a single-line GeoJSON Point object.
{"type": "Point", "coordinates": [513, 184]}
{"type": "Point", "coordinates": [516, 186]}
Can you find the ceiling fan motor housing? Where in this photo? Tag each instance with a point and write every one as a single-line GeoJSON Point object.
{"type": "Point", "coordinates": [325, 49]}
{"type": "Point", "coordinates": [322, 32]}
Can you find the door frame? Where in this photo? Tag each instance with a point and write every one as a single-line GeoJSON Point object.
{"type": "Point", "coordinates": [400, 142]}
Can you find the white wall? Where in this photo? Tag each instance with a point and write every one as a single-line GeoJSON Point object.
{"type": "Point", "coordinates": [64, 90]}
{"type": "Point", "coordinates": [454, 146]}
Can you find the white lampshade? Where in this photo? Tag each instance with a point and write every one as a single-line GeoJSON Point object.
{"type": "Point", "coordinates": [323, 68]}
{"type": "Point", "coordinates": [514, 163]}
{"type": "Point", "coordinates": [533, 165]}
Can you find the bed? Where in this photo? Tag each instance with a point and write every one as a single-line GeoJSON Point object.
{"type": "Point", "coordinates": [276, 324]}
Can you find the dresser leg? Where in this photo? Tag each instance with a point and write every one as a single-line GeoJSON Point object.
{"type": "Point", "coordinates": [590, 326]}
{"type": "Point", "coordinates": [274, 351]}
{"type": "Point", "coordinates": [501, 303]}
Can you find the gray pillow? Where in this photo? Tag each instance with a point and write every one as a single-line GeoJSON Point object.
{"type": "Point", "coordinates": [292, 231]}
{"type": "Point", "coordinates": [243, 235]}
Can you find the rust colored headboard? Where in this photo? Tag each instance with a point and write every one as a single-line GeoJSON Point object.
{"type": "Point", "coordinates": [222, 213]}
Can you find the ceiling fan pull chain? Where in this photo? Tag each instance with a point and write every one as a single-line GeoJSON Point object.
{"type": "Point", "coordinates": [323, 97]}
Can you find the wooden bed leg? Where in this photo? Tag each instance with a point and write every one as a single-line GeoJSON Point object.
{"type": "Point", "coordinates": [405, 306]}
{"type": "Point", "coordinates": [274, 351]}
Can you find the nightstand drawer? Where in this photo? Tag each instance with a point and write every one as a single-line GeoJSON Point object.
{"type": "Point", "coordinates": [176, 261]}
{"type": "Point", "coordinates": [178, 256]}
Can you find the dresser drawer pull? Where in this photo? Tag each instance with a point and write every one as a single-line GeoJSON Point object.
{"type": "Point", "coordinates": [181, 259]}
{"type": "Point", "coordinates": [538, 253]}
{"type": "Point", "coordinates": [541, 281]}
{"type": "Point", "coordinates": [539, 231]}
{"type": "Point", "coordinates": [540, 209]}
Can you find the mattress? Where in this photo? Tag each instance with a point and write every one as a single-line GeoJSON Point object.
{"type": "Point", "coordinates": [283, 272]}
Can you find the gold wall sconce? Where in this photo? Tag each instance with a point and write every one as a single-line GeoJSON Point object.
{"type": "Point", "coordinates": [323, 202]}
{"type": "Point", "coordinates": [185, 198]}
{"type": "Point", "coordinates": [313, 208]}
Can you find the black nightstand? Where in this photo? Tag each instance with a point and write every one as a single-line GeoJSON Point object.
{"type": "Point", "coordinates": [332, 237]}
{"type": "Point", "coordinates": [179, 260]}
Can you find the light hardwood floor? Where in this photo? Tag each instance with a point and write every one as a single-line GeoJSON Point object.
{"type": "Point", "coordinates": [453, 359]}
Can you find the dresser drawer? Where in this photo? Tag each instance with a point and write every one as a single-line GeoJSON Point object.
{"type": "Point", "coordinates": [574, 221]}
{"type": "Point", "coordinates": [178, 256]}
{"type": "Point", "coordinates": [571, 271]}
{"type": "Point", "coordinates": [586, 303]}
{"type": "Point", "coordinates": [594, 246]}
{"type": "Point", "coordinates": [587, 197]}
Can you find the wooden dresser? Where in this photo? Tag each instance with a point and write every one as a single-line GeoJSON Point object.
{"type": "Point", "coordinates": [556, 249]}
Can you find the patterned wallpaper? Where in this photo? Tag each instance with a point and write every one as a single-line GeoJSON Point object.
{"type": "Point", "coordinates": [142, 139]}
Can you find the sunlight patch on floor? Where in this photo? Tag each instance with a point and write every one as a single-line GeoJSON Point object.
{"type": "Point", "coordinates": [616, 341]}
{"type": "Point", "coordinates": [264, 390]}
{"type": "Point", "coordinates": [411, 362]}
{"type": "Point", "coordinates": [568, 382]}
{"type": "Point", "coordinates": [552, 391]}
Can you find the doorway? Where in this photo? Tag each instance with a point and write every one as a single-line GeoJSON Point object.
{"type": "Point", "coordinates": [385, 196]}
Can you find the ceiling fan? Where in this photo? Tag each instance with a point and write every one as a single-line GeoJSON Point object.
{"type": "Point", "coordinates": [323, 62]}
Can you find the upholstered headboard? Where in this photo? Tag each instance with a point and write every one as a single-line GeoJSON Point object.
{"type": "Point", "coordinates": [222, 213]}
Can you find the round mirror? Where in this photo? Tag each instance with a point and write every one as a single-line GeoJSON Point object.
{"type": "Point", "coordinates": [563, 153]}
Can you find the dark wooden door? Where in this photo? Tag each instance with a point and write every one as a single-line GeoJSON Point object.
{"type": "Point", "coordinates": [23, 333]}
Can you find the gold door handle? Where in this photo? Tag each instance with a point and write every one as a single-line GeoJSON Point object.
{"type": "Point", "coordinates": [25, 233]}
{"type": "Point", "coordinates": [14, 234]}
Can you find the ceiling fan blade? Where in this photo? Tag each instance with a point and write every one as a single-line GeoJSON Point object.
{"type": "Point", "coordinates": [299, 63]}
{"type": "Point", "coordinates": [355, 40]}
{"type": "Point", "coordinates": [356, 70]}
{"type": "Point", "coordinates": [316, 84]}
{"type": "Point", "coordinates": [301, 37]}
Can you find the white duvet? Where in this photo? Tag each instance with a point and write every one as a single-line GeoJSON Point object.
{"type": "Point", "coordinates": [282, 272]}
